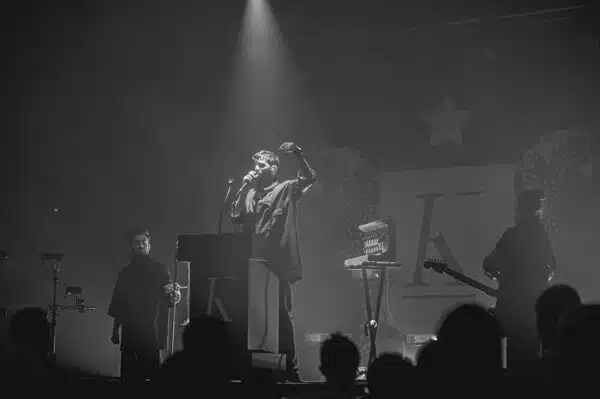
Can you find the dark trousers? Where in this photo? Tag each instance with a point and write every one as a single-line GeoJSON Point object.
{"type": "Point", "coordinates": [139, 364]}
{"type": "Point", "coordinates": [287, 344]}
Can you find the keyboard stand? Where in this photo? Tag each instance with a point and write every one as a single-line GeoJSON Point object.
{"type": "Point", "coordinates": [373, 320]}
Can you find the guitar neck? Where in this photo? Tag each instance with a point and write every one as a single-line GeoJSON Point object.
{"type": "Point", "coordinates": [469, 281]}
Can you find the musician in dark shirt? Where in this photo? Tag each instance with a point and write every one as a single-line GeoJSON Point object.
{"type": "Point", "coordinates": [523, 262]}
{"type": "Point", "coordinates": [141, 298]}
{"type": "Point", "coordinates": [268, 209]}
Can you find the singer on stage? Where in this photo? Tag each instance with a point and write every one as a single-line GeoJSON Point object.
{"type": "Point", "coordinates": [268, 209]}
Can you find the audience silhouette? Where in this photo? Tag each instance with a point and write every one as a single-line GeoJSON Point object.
{"type": "Point", "coordinates": [206, 356]}
{"type": "Point", "coordinates": [470, 341]}
{"type": "Point", "coordinates": [30, 335]}
{"type": "Point", "coordinates": [386, 374]}
{"type": "Point", "coordinates": [339, 361]}
{"type": "Point", "coordinates": [465, 357]}
{"type": "Point", "coordinates": [549, 307]}
{"type": "Point", "coordinates": [426, 354]}
{"type": "Point", "coordinates": [577, 347]}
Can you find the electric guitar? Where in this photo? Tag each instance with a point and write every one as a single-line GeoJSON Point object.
{"type": "Point", "coordinates": [442, 268]}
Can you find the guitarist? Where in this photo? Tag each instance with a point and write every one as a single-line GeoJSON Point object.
{"type": "Point", "coordinates": [523, 262]}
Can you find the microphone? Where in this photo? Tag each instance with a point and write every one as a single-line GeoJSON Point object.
{"type": "Point", "coordinates": [246, 182]}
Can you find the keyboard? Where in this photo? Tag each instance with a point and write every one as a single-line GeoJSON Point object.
{"type": "Point", "coordinates": [368, 261]}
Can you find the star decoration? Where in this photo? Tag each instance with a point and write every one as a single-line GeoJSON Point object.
{"type": "Point", "coordinates": [445, 123]}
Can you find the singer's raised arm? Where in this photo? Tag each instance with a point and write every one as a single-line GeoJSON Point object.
{"type": "Point", "coordinates": [306, 174]}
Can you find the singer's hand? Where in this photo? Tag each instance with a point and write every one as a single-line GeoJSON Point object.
{"type": "Point", "coordinates": [290, 148]}
{"type": "Point", "coordinates": [251, 177]}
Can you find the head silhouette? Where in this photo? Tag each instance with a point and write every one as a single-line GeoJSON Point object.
{"type": "Point", "coordinates": [427, 354]}
{"type": "Point", "coordinates": [339, 359]}
{"type": "Point", "coordinates": [470, 337]}
{"type": "Point", "coordinates": [206, 356]}
{"type": "Point", "coordinates": [30, 331]}
{"type": "Point", "coordinates": [386, 371]}
{"type": "Point", "coordinates": [549, 307]}
{"type": "Point", "coordinates": [578, 332]}
{"type": "Point", "coordinates": [577, 346]}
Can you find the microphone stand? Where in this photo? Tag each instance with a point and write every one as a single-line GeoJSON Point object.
{"type": "Point", "coordinates": [171, 343]}
{"type": "Point", "coordinates": [55, 280]}
{"type": "Point", "coordinates": [56, 259]}
{"type": "Point", "coordinates": [227, 194]}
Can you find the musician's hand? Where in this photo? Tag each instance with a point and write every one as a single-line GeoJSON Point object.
{"type": "Point", "coordinates": [174, 292]}
{"type": "Point", "coordinates": [114, 338]}
{"type": "Point", "coordinates": [489, 275]}
{"type": "Point", "coordinates": [290, 148]}
{"type": "Point", "coordinates": [171, 289]}
{"type": "Point", "coordinates": [551, 275]}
